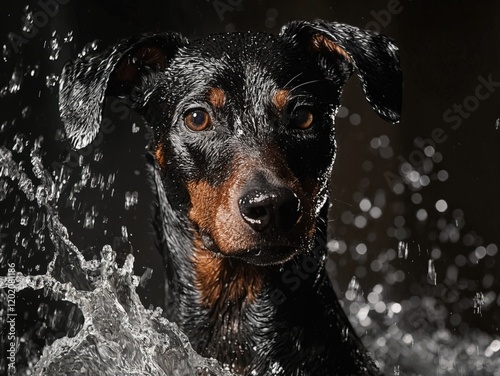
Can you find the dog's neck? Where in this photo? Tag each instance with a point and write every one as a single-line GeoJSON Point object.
{"type": "Point", "coordinates": [253, 317]}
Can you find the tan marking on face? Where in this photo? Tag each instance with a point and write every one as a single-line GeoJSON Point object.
{"type": "Point", "coordinates": [213, 212]}
{"type": "Point", "coordinates": [320, 43]}
{"type": "Point", "coordinates": [216, 97]}
{"type": "Point", "coordinates": [221, 280]}
{"type": "Point", "coordinates": [280, 99]}
{"type": "Point", "coordinates": [159, 156]}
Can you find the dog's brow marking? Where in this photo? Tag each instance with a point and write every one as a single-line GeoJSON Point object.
{"type": "Point", "coordinates": [216, 97]}
{"type": "Point", "coordinates": [320, 43]}
{"type": "Point", "coordinates": [280, 99]}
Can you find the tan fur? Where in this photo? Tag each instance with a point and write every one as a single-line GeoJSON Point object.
{"type": "Point", "coordinates": [280, 99]}
{"type": "Point", "coordinates": [320, 43]}
{"type": "Point", "coordinates": [216, 97]}
{"type": "Point", "coordinates": [222, 280]}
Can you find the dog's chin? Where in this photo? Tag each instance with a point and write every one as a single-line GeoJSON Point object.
{"type": "Point", "coordinates": [261, 255]}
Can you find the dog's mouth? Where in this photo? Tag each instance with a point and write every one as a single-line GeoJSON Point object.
{"type": "Point", "coordinates": [268, 255]}
{"type": "Point", "coordinates": [263, 253]}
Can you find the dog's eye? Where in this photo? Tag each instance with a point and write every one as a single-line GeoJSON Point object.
{"type": "Point", "coordinates": [197, 120]}
{"type": "Point", "coordinates": [302, 118]}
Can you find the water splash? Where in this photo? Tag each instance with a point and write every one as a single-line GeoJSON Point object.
{"type": "Point", "coordinates": [119, 336]}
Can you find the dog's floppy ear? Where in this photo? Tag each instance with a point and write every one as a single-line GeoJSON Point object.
{"type": "Point", "coordinates": [84, 82]}
{"type": "Point", "coordinates": [374, 57]}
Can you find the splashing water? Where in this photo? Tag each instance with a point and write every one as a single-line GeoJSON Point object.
{"type": "Point", "coordinates": [119, 336]}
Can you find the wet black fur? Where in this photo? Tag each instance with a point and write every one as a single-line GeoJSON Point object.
{"type": "Point", "coordinates": [296, 326]}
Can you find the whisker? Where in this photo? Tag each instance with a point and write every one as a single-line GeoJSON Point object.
{"type": "Point", "coordinates": [342, 202]}
{"type": "Point", "coordinates": [293, 78]}
{"type": "Point", "coordinates": [302, 84]}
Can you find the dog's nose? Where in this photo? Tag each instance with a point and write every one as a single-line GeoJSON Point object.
{"type": "Point", "coordinates": [269, 210]}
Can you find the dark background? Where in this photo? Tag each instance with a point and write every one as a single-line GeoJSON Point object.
{"type": "Point", "coordinates": [447, 50]}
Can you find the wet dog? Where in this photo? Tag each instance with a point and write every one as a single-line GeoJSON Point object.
{"type": "Point", "coordinates": [243, 151]}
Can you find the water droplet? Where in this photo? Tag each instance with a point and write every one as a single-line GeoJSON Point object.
{"type": "Point", "coordinates": [41, 195]}
{"type": "Point", "coordinates": [69, 37]}
{"type": "Point", "coordinates": [18, 143]}
{"type": "Point", "coordinates": [353, 289]}
{"type": "Point", "coordinates": [25, 112]}
{"type": "Point", "coordinates": [131, 198]}
{"type": "Point", "coordinates": [478, 302]}
{"type": "Point", "coordinates": [497, 124]}
{"type": "Point", "coordinates": [146, 276]}
{"type": "Point", "coordinates": [5, 52]}
{"type": "Point", "coordinates": [51, 80]}
{"type": "Point", "coordinates": [90, 217]}
{"type": "Point", "coordinates": [88, 48]}
{"type": "Point", "coordinates": [15, 81]}
{"type": "Point", "coordinates": [431, 273]}
{"type": "Point", "coordinates": [441, 206]}
{"type": "Point", "coordinates": [124, 233]}
{"type": "Point", "coordinates": [28, 21]}
{"type": "Point", "coordinates": [24, 220]}
{"type": "Point", "coordinates": [26, 186]}
{"type": "Point", "coordinates": [403, 249]}
{"type": "Point", "coordinates": [54, 47]}
{"type": "Point", "coordinates": [342, 112]}
{"type": "Point", "coordinates": [345, 334]}
{"type": "Point", "coordinates": [397, 371]}
{"type": "Point", "coordinates": [107, 253]}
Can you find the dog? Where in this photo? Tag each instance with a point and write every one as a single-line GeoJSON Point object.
{"type": "Point", "coordinates": [243, 150]}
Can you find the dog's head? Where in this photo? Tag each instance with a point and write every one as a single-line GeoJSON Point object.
{"type": "Point", "coordinates": [243, 123]}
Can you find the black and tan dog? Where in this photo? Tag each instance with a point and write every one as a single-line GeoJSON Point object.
{"type": "Point", "coordinates": [243, 149]}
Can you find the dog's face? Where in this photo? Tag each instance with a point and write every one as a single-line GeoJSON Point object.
{"type": "Point", "coordinates": [249, 134]}
{"type": "Point", "coordinates": [243, 126]}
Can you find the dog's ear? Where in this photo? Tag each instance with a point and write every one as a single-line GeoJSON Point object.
{"type": "Point", "coordinates": [85, 82]}
{"type": "Point", "coordinates": [374, 57]}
